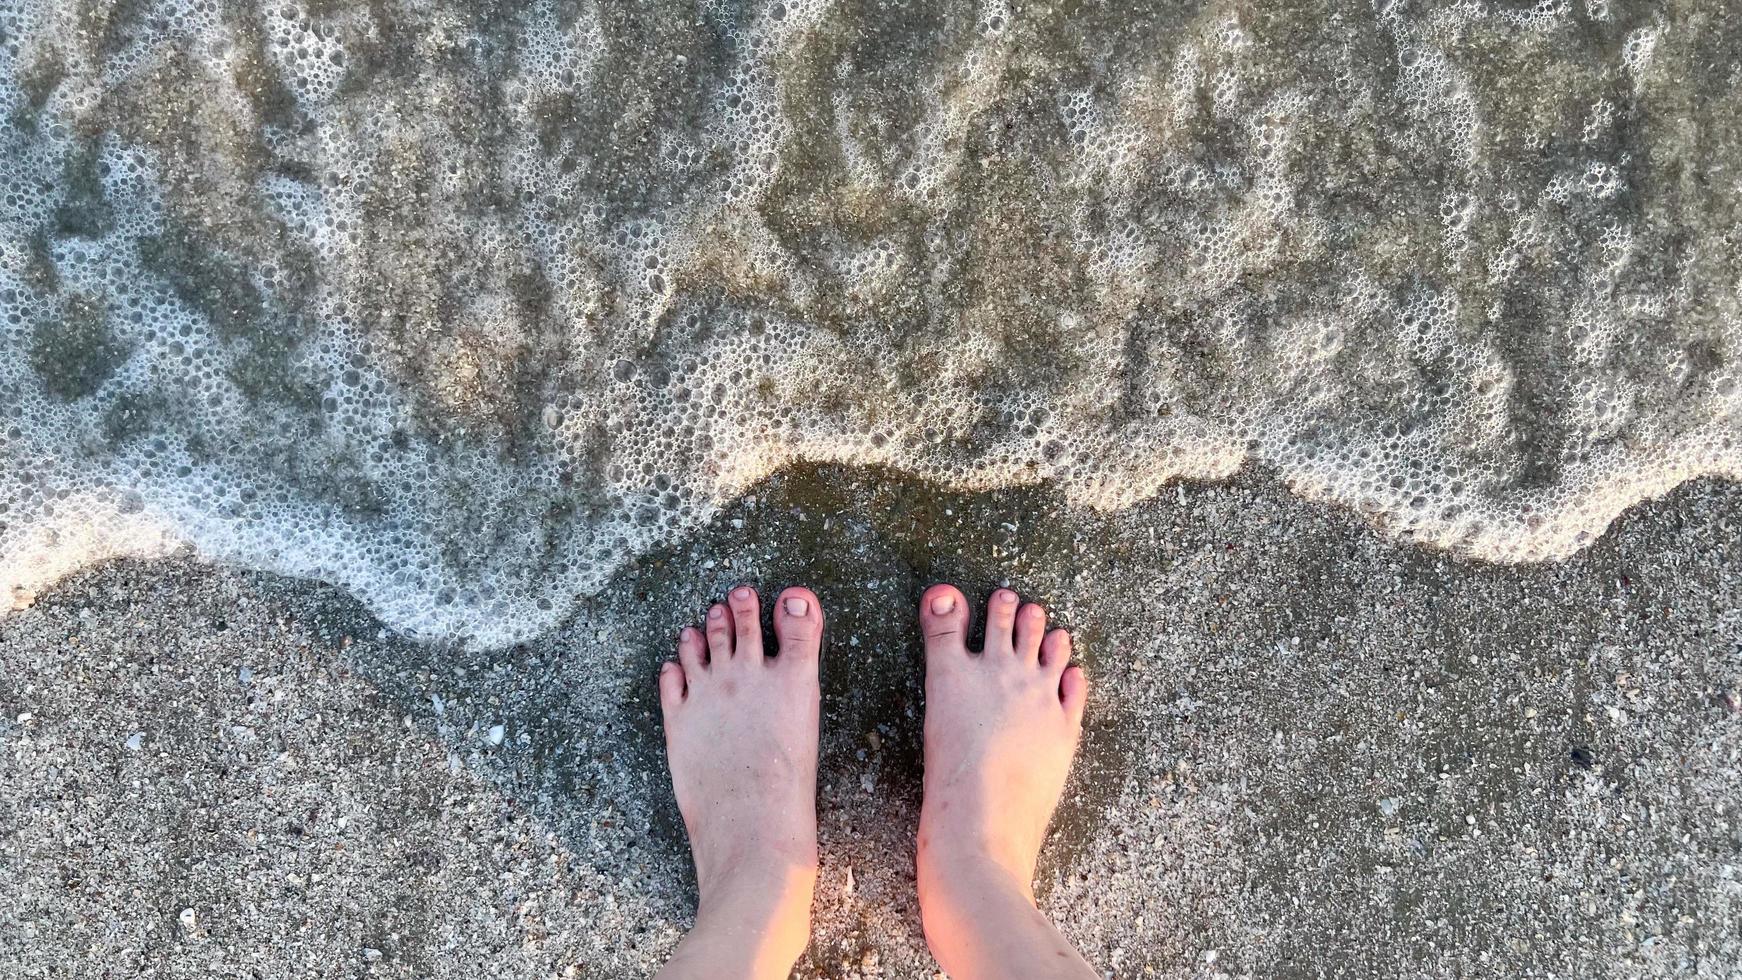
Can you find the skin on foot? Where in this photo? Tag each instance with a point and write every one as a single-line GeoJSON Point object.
{"type": "Point", "coordinates": [741, 739]}
{"type": "Point", "coordinates": [1001, 727]}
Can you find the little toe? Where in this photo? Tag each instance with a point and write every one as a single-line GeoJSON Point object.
{"type": "Point", "coordinates": [1055, 651]}
{"type": "Point", "coordinates": [943, 618]}
{"type": "Point", "coordinates": [746, 623]}
{"type": "Point", "coordinates": [798, 625]}
{"type": "Point", "coordinates": [692, 651]}
{"type": "Point", "coordinates": [719, 635]}
{"type": "Point", "coordinates": [1001, 622]}
{"type": "Point", "coordinates": [1030, 627]}
{"type": "Point", "coordinates": [671, 685]}
{"type": "Point", "coordinates": [1074, 692]}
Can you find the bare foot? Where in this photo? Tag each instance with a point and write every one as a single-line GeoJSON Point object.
{"type": "Point", "coordinates": [741, 738]}
{"type": "Point", "coordinates": [1001, 727]}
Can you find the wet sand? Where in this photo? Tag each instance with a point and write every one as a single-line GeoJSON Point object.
{"type": "Point", "coordinates": [1311, 752]}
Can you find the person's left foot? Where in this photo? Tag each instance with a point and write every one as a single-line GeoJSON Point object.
{"type": "Point", "coordinates": [741, 738]}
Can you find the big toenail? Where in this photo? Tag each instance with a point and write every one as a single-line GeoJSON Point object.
{"type": "Point", "coordinates": [743, 595]}
{"type": "Point", "coordinates": [797, 606]}
{"type": "Point", "coordinates": [1007, 597]}
{"type": "Point", "coordinates": [714, 613]}
{"type": "Point", "coordinates": [942, 604]}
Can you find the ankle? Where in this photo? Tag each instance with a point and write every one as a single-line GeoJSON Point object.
{"type": "Point", "coordinates": [981, 920]}
{"type": "Point", "coordinates": [976, 857]}
{"type": "Point", "coordinates": [775, 869]}
{"type": "Point", "coordinates": [968, 874]}
{"type": "Point", "coordinates": [760, 911]}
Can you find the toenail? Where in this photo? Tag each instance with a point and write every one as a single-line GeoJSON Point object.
{"type": "Point", "coordinates": [743, 595]}
{"type": "Point", "coordinates": [797, 606]}
{"type": "Point", "coordinates": [714, 613]}
{"type": "Point", "coordinates": [943, 603]}
{"type": "Point", "coordinates": [1007, 597]}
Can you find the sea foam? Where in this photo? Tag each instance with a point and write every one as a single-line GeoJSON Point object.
{"type": "Point", "coordinates": [460, 306]}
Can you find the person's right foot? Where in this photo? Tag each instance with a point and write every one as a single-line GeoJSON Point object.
{"type": "Point", "coordinates": [1001, 726]}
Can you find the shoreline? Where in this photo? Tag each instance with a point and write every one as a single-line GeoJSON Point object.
{"type": "Point", "coordinates": [1308, 751]}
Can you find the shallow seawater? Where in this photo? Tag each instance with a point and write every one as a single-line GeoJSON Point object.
{"type": "Point", "coordinates": [464, 306]}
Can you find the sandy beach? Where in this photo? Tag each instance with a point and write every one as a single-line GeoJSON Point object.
{"type": "Point", "coordinates": [1310, 752]}
{"type": "Point", "coordinates": [384, 383]}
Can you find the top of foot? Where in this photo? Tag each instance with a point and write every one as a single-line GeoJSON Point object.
{"type": "Point", "coordinates": [1001, 727]}
{"type": "Point", "coordinates": [741, 739]}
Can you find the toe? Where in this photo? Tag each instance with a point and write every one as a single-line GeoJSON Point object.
{"type": "Point", "coordinates": [719, 634]}
{"type": "Point", "coordinates": [1030, 627]}
{"type": "Point", "coordinates": [746, 623]}
{"type": "Point", "coordinates": [692, 651]}
{"type": "Point", "coordinates": [1055, 651]}
{"type": "Point", "coordinates": [798, 625]}
{"type": "Point", "coordinates": [943, 618]}
{"type": "Point", "coordinates": [671, 685]}
{"type": "Point", "coordinates": [1074, 692]}
{"type": "Point", "coordinates": [1000, 621]}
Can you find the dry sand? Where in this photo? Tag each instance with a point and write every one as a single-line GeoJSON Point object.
{"type": "Point", "coordinates": [1311, 753]}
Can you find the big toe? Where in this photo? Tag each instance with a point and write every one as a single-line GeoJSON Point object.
{"type": "Point", "coordinates": [798, 625]}
{"type": "Point", "coordinates": [943, 618]}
